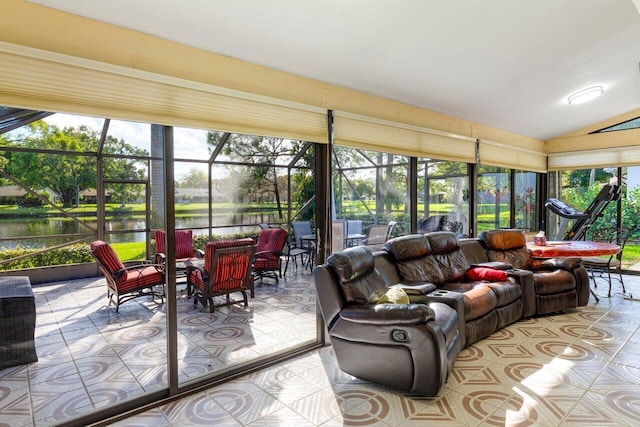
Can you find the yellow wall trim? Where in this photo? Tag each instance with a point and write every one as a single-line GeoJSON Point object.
{"type": "Point", "coordinates": [605, 140]}
{"type": "Point", "coordinates": [35, 26]}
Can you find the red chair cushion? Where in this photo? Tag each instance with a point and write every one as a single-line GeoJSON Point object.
{"type": "Point", "coordinates": [231, 271]}
{"type": "Point", "coordinates": [210, 249]}
{"type": "Point", "coordinates": [195, 278]}
{"type": "Point", "coordinates": [266, 264]}
{"type": "Point", "coordinates": [160, 242]}
{"type": "Point", "coordinates": [271, 241]}
{"type": "Point", "coordinates": [184, 244]}
{"type": "Point", "coordinates": [485, 273]}
{"type": "Point", "coordinates": [139, 278]}
{"type": "Point", "coordinates": [107, 256]}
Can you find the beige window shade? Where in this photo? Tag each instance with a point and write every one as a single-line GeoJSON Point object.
{"type": "Point", "coordinates": [41, 80]}
{"type": "Point", "coordinates": [380, 135]}
{"type": "Point", "coordinates": [586, 159]}
{"type": "Point", "coordinates": [497, 154]}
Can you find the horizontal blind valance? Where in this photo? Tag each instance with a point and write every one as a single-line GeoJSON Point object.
{"type": "Point", "coordinates": [502, 155]}
{"type": "Point", "coordinates": [42, 80]}
{"type": "Point", "coordinates": [620, 156]}
{"type": "Point", "coordinates": [356, 131]}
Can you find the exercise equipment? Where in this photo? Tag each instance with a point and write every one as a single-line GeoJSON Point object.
{"type": "Point", "coordinates": [582, 220]}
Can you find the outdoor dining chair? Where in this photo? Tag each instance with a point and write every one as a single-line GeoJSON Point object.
{"type": "Point", "coordinates": [226, 270]}
{"type": "Point", "coordinates": [184, 246]}
{"type": "Point", "coordinates": [355, 235]}
{"type": "Point", "coordinates": [269, 251]}
{"type": "Point", "coordinates": [209, 252]}
{"type": "Point", "coordinates": [609, 263]}
{"type": "Point", "coordinates": [304, 241]}
{"type": "Point", "coordinates": [377, 235]}
{"type": "Point", "coordinates": [127, 282]}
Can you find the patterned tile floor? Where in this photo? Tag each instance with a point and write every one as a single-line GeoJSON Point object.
{"type": "Point", "coordinates": [89, 356]}
{"type": "Point", "coordinates": [573, 369]}
{"type": "Point", "coordinates": [577, 368]}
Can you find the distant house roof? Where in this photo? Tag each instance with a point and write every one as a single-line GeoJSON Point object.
{"type": "Point", "coordinates": [17, 191]}
{"type": "Point", "coordinates": [193, 192]}
{"type": "Point", "coordinates": [12, 191]}
{"type": "Point", "coordinates": [200, 193]}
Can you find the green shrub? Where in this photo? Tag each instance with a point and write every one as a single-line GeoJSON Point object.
{"type": "Point", "coordinates": [68, 255]}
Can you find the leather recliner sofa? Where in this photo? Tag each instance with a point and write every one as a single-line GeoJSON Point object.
{"type": "Point", "coordinates": [559, 283]}
{"type": "Point", "coordinates": [416, 343]}
{"type": "Point", "coordinates": [436, 260]}
{"type": "Point", "coordinates": [406, 347]}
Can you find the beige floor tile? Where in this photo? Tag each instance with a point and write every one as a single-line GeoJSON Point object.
{"type": "Point", "coordinates": [575, 368]}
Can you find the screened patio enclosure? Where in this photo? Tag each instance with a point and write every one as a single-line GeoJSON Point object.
{"type": "Point", "coordinates": [75, 179]}
{"type": "Point", "coordinates": [104, 187]}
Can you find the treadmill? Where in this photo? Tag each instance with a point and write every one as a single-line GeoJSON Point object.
{"type": "Point", "coordinates": [582, 220]}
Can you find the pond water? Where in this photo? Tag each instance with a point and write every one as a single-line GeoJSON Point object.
{"type": "Point", "coordinates": [39, 228]}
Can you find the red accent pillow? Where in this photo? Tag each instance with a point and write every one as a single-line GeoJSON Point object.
{"type": "Point", "coordinates": [485, 273]}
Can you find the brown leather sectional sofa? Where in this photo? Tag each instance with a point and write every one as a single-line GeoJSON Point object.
{"type": "Point", "coordinates": [454, 293]}
{"type": "Point", "coordinates": [559, 283]}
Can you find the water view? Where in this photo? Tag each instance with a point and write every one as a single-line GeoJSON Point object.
{"type": "Point", "coordinates": [34, 232]}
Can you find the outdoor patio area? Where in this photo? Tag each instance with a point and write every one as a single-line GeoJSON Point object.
{"type": "Point", "coordinates": [91, 357]}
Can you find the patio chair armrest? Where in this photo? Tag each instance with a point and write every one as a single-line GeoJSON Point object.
{"type": "Point", "coordinates": [199, 253]}
{"type": "Point", "coordinates": [275, 253]}
{"type": "Point", "coordinates": [192, 268]}
{"type": "Point", "coordinates": [128, 265]}
{"type": "Point", "coordinates": [138, 265]}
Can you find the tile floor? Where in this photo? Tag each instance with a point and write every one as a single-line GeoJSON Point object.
{"type": "Point", "coordinates": [574, 369]}
{"type": "Point", "coordinates": [90, 357]}
{"type": "Point", "coordinates": [577, 368]}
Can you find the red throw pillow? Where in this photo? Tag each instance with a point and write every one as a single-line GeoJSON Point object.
{"type": "Point", "coordinates": [485, 273]}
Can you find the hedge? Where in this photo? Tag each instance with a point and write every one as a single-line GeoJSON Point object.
{"type": "Point", "coordinates": [72, 254]}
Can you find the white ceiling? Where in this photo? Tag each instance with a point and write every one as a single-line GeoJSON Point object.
{"type": "Point", "coordinates": [509, 64]}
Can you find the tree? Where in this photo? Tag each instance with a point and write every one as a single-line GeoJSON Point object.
{"type": "Point", "coordinates": [586, 177]}
{"type": "Point", "coordinates": [364, 188]}
{"type": "Point", "coordinates": [69, 174]}
{"type": "Point", "coordinates": [194, 178]}
{"type": "Point", "coordinates": [388, 178]}
{"type": "Point", "coordinates": [261, 153]}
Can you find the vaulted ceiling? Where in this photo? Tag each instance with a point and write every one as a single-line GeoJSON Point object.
{"type": "Point", "coordinates": [509, 64]}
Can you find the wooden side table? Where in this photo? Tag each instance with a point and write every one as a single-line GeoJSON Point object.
{"type": "Point", "coordinates": [18, 321]}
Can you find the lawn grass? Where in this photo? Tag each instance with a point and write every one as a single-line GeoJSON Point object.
{"type": "Point", "coordinates": [130, 251]}
{"type": "Point", "coordinates": [631, 254]}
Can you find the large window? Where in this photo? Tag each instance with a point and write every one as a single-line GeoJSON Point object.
{"type": "Point", "coordinates": [525, 200]}
{"type": "Point", "coordinates": [443, 196]}
{"type": "Point", "coordinates": [68, 180]}
{"type": "Point", "coordinates": [371, 187]}
{"type": "Point", "coordinates": [493, 198]}
{"type": "Point", "coordinates": [579, 187]}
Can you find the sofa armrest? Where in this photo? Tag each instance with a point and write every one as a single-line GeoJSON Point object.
{"type": "Point", "coordinates": [456, 302]}
{"type": "Point", "coordinates": [568, 264]}
{"type": "Point", "coordinates": [388, 314]}
{"type": "Point", "coordinates": [527, 283]}
{"type": "Point", "coordinates": [496, 265]}
{"type": "Point", "coordinates": [415, 288]}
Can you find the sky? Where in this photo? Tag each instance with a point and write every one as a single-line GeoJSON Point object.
{"type": "Point", "coordinates": [189, 143]}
